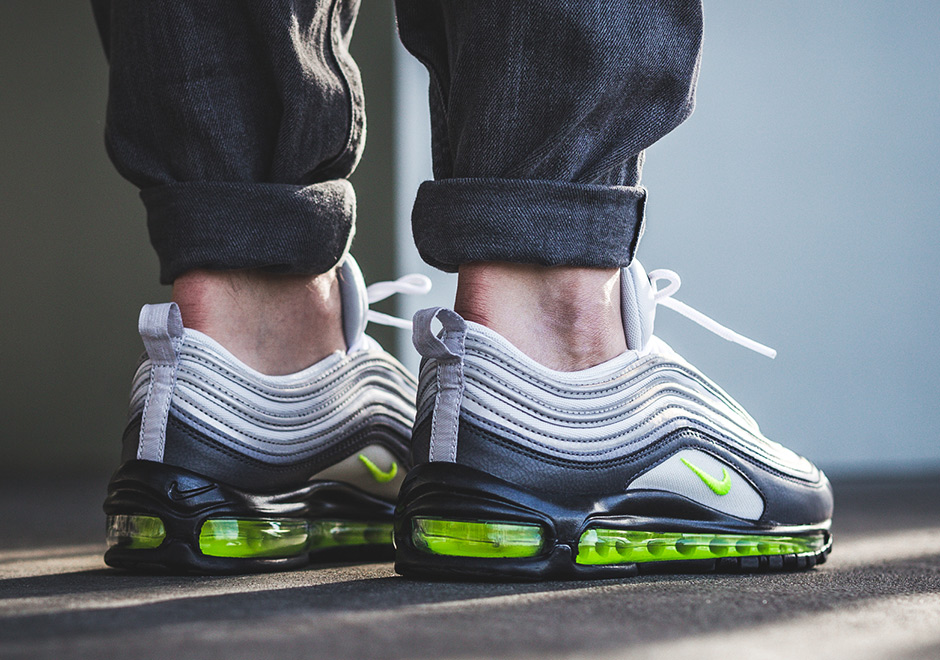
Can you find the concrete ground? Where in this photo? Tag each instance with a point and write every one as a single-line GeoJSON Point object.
{"type": "Point", "coordinates": [877, 597]}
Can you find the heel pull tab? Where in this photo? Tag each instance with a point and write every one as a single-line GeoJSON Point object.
{"type": "Point", "coordinates": [448, 351]}
{"type": "Point", "coordinates": [161, 329]}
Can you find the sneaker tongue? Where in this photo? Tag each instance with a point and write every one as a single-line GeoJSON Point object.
{"type": "Point", "coordinates": [352, 291]}
{"type": "Point", "coordinates": [637, 306]}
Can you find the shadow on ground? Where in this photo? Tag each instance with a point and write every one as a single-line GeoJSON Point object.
{"type": "Point", "coordinates": [61, 599]}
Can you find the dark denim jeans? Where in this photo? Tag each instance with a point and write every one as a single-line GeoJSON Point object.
{"type": "Point", "coordinates": [240, 121]}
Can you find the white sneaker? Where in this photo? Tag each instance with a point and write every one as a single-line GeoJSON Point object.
{"type": "Point", "coordinates": [226, 469]}
{"type": "Point", "coordinates": [640, 464]}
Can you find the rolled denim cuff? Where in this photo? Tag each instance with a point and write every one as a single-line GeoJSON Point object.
{"type": "Point", "coordinates": [552, 223]}
{"type": "Point", "coordinates": [228, 226]}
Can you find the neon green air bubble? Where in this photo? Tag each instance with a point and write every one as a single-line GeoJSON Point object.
{"type": "Point", "coordinates": [343, 533]}
{"type": "Point", "coordinates": [248, 538]}
{"type": "Point", "coordinates": [134, 532]}
{"type": "Point", "coordinates": [466, 538]}
{"type": "Point", "coordinates": [617, 546]}
{"type": "Point", "coordinates": [278, 538]}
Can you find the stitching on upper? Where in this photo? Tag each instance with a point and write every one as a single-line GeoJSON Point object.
{"type": "Point", "coordinates": [361, 412]}
{"type": "Point", "coordinates": [339, 397]}
{"type": "Point", "coordinates": [526, 439]}
{"type": "Point", "coordinates": [309, 427]}
{"type": "Point", "coordinates": [333, 394]}
{"type": "Point", "coordinates": [641, 453]}
{"type": "Point", "coordinates": [311, 444]}
{"type": "Point", "coordinates": [558, 438]}
{"type": "Point", "coordinates": [523, 439]}
{"type": "Point", "coordinates": [625, 409]}
{"type": "Point", "coordinates": [493, 354]}
{"type": "Point", "coordinates": [165, 412]}
{"type": "Point", "coordinates": [360, 437]}
{"type": "Point", "coordinates": [654, 376]}
{"type": "Point", "coordinates": [350, 362]}
{"type": "Point", "coordinates": [144, 415]}
{"type": "Point", "coordinates": [434, 416]}
{"type": "Point", "coordinates": [456, 415]}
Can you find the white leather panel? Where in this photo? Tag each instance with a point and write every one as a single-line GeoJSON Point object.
{"type": "Point", "coordinates": [675, 476]}
{"type": "Point", "coordinates": [353, 470]}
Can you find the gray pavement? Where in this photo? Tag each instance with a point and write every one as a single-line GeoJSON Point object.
{"type": "Point", "coordinates": [877, 597]}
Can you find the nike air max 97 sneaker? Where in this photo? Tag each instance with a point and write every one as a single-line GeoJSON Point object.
{"type": "Point", "coordinates": [228, 470]}
{"type": "Point", "coordinates": [636, 465]}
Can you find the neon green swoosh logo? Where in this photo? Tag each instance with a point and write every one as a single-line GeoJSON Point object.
{"type": "Point", "coordinates": [379, 475]}
{"type": "Point", "coordinates": [718, 487]}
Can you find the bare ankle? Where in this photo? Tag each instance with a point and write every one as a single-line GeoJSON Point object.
{"type": "Point", "coordinates": [566, 318]}
{"type": "Point", "coordinates": [277, 324]}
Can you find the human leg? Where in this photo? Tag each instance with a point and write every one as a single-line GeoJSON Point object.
{"type": "Point", "coordinates": [240, 124]}
{"type": "Point", "coordinates": [269, 426]}
{"type": "Point", "coordinates": [564, 317]}
{"type": "Point", "coordinates": [246, 116]}
{"type": "Point", "coordinates": [540, 114]}
{"type": "Point", "coordinates": [276, 324]}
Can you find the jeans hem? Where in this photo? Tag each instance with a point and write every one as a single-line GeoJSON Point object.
{"type": "Point", "coordinates": [280, 228]}
{"type": "Point", "coordinates": [551, 223]}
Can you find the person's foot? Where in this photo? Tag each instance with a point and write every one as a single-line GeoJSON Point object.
{"type": "Point", "coordinates": [226, 469]}
{"type": "Point", "coordinates": [637, 464]}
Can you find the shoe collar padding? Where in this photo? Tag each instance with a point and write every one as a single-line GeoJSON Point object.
{"type": "Point", "coordinates": [355, 303]}
{"type": "Point", "coordinates": [637, 306]}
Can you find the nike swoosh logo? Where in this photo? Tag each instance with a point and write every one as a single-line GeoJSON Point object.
{"type": "Point", "coordinates": [176, 493]}
{"type": "Point", "coordinates": [379, 475]}
{"type": "Point", "coordinates": [719, 487]}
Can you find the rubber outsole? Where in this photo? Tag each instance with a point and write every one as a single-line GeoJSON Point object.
{"type": "Point", "coordinates": [455, 522]}
{"type": "Point", "coordinates": [166, 519]}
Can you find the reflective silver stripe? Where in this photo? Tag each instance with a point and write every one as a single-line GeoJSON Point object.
{"type": "Point", "coordinates": [161, 329]}
{"type": "Point", "coordinates": [282, 419]}
{"type": "Point", "coordinates": [605, 412]}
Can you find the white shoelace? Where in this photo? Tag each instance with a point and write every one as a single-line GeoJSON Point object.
{"type": "Point", "coordinates": [664, 297]}
{"type": "Point", "coordinates": [413, 284]}
{"type": "Point", "coordinates": [417, 284]}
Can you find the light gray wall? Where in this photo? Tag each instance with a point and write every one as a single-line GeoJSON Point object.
{"type": "Point", "coordinates": [76, 264]}
{"type": "Point", "coordinates": [799, 203]}
{"type": "Point", "coordinates": [801, 207]}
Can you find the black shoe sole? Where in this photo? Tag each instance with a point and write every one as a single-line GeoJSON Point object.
{"type": "Point", "coordinates": [455, 522]}
{"type": "Point", "coordinates": [163, 518]}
